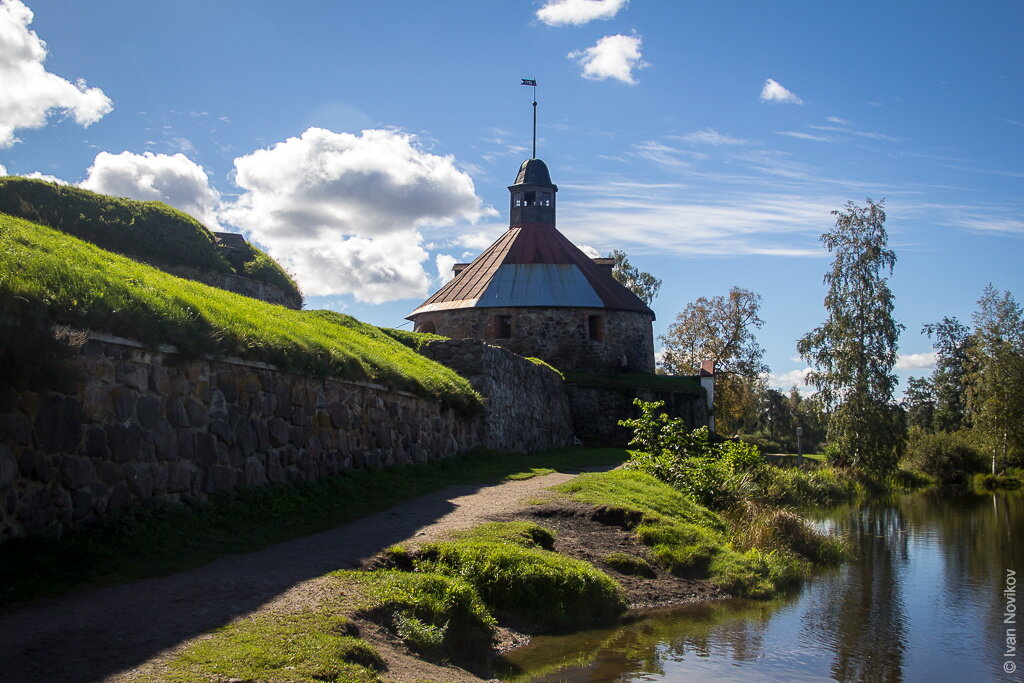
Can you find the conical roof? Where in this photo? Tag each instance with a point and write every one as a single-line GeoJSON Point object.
{"type": "Point", "coordinates": [533, 172]}
{"type": "Point", "coordinates": [533, 265]}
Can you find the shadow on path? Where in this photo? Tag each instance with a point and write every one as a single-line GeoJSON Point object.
{"type": "Point", "coordinates": [95, 633]}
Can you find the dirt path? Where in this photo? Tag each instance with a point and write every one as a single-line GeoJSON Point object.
{"type": "Point", "coordinates": [92, 635]}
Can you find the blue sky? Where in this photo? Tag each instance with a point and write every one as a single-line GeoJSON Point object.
{"type": "Point", "coordinates": [709, 141]}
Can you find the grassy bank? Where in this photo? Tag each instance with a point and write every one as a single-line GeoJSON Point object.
{"type": "Point", "coordinates": [48, 277]}
{"type": "Point", "coordinates": [160, 539]}
{"type": "Point", "coordinates": [753, 552]}
{"type": "Point", "coordinates": [152, 232]}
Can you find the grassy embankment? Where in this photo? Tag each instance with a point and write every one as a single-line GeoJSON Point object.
{"type": "Point", "coordinates": [48, 278]}
{"type": "Point", "coordinates": [151, 232]}
{"type": "Point", "coordinates": [443, 599]}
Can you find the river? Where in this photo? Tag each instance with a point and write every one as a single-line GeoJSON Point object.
{"type": "Point", "coordinates": [924, 600]}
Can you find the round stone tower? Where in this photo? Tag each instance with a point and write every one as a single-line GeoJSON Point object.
{"type": "Point", "coordinates": [535, 293]}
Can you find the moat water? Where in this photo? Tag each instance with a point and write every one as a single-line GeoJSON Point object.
{"type": "Point", "coordinates": [926, 599]}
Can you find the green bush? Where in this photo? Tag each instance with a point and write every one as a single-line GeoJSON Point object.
{"type": "Point", "coordinates": [948, 457]}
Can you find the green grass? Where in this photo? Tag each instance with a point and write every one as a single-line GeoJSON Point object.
{"type": "Point", "coordinates": [624, 563]}
{"type": "Point", "coordinates": [628, 381]}
{"type": "Point", "coordinates": [47, 277]}
{"type": "Point", "coordinates": [160, 539]}
{"type": "Point", "coordinates": [147, 231]}
{"type": "Point", "coordinates": [306, 647]}
{"type": "Point", "coordinates": [436, 615]}
{"type": "Point", "coordinates": [531, 585]}
{"type": "Point", "coordinates": [688, 539]}
{"type": "Point", "coordinates": [521, 533]}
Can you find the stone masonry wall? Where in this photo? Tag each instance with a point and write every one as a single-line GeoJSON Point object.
{"type": "Point", "coordinates": [561, 336]}
{"type": "Point", "coordinates": [596, 411]}
{"type": "Point", "coordinates": [527, 407]}
{"type": "Point", "coordinates": [140, 424]}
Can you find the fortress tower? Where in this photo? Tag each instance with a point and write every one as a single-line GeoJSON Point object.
{"type": "Point", "coordinates": [535, 293]}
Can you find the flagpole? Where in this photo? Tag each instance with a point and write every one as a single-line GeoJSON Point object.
{"type": "Point", "coordinates": [534, 120]}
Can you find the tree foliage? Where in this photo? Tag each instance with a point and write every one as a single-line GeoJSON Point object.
{"type": "Point", "coordinates": [853, 352]}
{"type": "Point", "coordinates": [995, 374]}
{"type": "Point", "coordinates": [721, 329]}
{"type": "Point", "coordinates": [948, 381]}
{"type": "Point", "coordinates": [640, 282]}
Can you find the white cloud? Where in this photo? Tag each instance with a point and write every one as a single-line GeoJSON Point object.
{"type": "Point", "coordinates": [589, 251]}
{"type": "Point", "coordinates": [916, 361]}
{"type": "Point", "coordinates": [479, 240]}
{"type": "Point", "coordinates": [174, 179]}
{"type": "Point", "coordinates": [787, 380]}
{"type": "Point", "coordinates": [836, 119]}
{"type": "Point", "coordinates": [806, 136]}
{"type": "Point", "coordinates": [29, 92]}
{"type": "Point", "coordinates": [710, 136]}
{"type": "Point", "coordinates": [773, 91]}
{"type": "Point", "coordinates": [3, 170]}
{"type": "Point", "coordinates": [343, 212]}
{"type": "Point", "coordinates": [577, 12]}
{"type": "Point", "coordinates": [444, 263]}
{"type": "Point", "coordinates": [611, 57]}
{"type": "Point", "coordinates": [36, 175]}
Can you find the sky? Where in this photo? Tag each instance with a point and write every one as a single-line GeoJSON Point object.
{"type": "Point", "coordinates": [368, 146]}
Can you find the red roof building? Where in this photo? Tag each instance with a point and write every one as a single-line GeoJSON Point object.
{"type": "Point", "coordinates": [535, 293]}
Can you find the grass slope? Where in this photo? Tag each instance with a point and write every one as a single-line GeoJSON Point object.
{"type": "Point", "coordinates": [147, 231]}
{"type": "Point", "coordinates": [48, 277]}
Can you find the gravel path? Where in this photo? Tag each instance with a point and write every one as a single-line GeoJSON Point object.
{"type": "Point", "coordinates": [93, 634]}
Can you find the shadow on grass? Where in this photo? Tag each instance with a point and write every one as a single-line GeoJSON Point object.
{"type": "Point", "coordinates": [114, 627]}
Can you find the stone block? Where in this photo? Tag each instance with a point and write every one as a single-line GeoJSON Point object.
{"type": "Point", "coordinates": [34, 466]}
{"type": "Point", "coordinates": [124, 442]}
{"type": "Point", "coordinates": [133, 375]}
{"type": "Point", "coordinates": [206, 449]}
{"type": "Point", "coordinates": [147, 410]}
{"type": "Point", "coordinates": [198, 415]}
{"type": "Point", "coordinates": [15, 429]}
{"type": "Point", "coordinates": [165, 440]}
{"type": "Point", "coordinates": [124, 403]}
{"type": "Point", "coordinates": [76, 473]}
{"type": "Point", "coordinates": [255, 473]}
{"type": "Point", "coordinates": [8, 467]}
{"type": "Point", "coordinates": [59, 425]}
{"type": "Point", "coordinates": [277, 431]}
{"type": "Point", "coordinates": [186, 444]}
{"type": "Point", "coordinates": [176, 413]}
{"type": "Point", "coordinates": [139, 478]}
{"type": "Point", "coordinates": [221, 428]}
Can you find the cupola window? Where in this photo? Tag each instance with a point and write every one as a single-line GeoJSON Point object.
{"type": "Point", "coordinates": [502, 326]}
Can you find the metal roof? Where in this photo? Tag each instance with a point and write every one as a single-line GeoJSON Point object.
{"type": "Point", "coordinates": [533, 265]}
{"type": "Point", "coordinates": [533, 172]}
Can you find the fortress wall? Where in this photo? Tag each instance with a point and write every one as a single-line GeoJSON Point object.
{"type": "Point", "coordinates": [135, 424]}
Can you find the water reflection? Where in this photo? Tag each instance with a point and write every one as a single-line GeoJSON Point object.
{"type": "Point", "coordinates": [922, 601]}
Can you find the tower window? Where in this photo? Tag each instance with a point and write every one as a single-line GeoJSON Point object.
{"type": "Point", "coordinates": [595, 328]}
{"type": "Point", "coordinates": [543, 199]}
{"type": "Point", "coordinates": [519, 198]}
{"type": "Point", "coordinates": [502, 326]}
{"type": "Point", "coordinates": [530, 199]}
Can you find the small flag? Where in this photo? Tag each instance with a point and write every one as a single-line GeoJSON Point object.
{"type": "Point", "coordinates": [529, 81]}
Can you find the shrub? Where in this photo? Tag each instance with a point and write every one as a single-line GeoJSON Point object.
{"type": "Point", "coordinates": [945, 456]}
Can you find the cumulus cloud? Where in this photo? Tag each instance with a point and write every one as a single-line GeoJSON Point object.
{"type": "Point", "coordinates": [787, 380]}
{"type": "Point", "coordinates": [29, 92]}
{"type": "Point", "coordinates": [3, 170]}
{"type": "Point", "coordinates": [444, 263]}
{"type": "Point", "coordinates": [36, 175]}
{"type": "Point", "coordinates": [343, 211]}
{"type": "Point", "coordinates": [577, 12]}
{"type": "Point", "coordinates": [916, 361]}
{"type": "Point", "coordinates": [174, 179]}
{"type": "Point", "coordinates": [611, 57]}
{"type": "Point", "coordinates": [773, 91]}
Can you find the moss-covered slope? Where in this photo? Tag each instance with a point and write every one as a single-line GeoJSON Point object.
{"type": "Point", "coordinates": [152, 232]}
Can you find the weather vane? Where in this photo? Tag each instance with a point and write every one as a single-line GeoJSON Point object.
{"type": "Point", "coordinates": [533, 83]}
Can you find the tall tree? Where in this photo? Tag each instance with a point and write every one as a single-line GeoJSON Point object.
{"type": "Point", "coordinates": [721, 329]}
{"type": "Point", "coordinates": [853, 352]}
{"type": "Point", "coordinates": [948, 379]}
{"type": "Point", "coordinates": [995, 387]}
{"type": "Point", "coordinates": [919, 402]}
{"type": "Point", "coordinates": [640, 282]}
